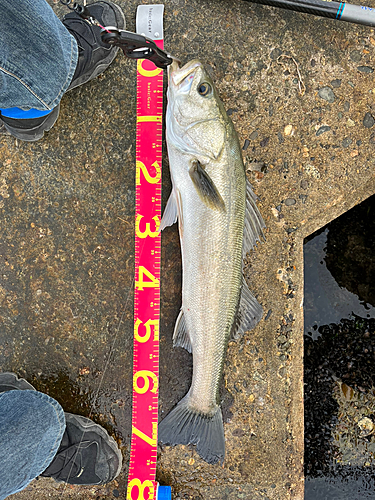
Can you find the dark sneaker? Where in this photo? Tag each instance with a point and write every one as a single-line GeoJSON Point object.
{"type": "Point", "coordinates": [29, 129]}
{"type": "Point", "coordinates": [3, 130]}
{"type": "Point", "coordinates": [10, 382]}
{"type": "Point", "coordinates": [94, 56]}
{"type": "Point", "coordinates": [87, 454]}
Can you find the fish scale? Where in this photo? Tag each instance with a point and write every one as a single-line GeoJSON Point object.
{"type": "Point", "coordinates": [214, 293]}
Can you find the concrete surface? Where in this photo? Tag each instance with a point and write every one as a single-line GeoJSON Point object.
{"type": "Point", "coordinates": [300, 91]}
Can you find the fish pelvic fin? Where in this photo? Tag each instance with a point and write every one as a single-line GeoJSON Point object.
{"type": "Point", "coordinates": [183, 425]}
{"type": "Point", "coordinates": [254, 223]}
{"type": "Point", "coordinates": [170, 212]}
{"type": "Point", "coordinates": [181, 336]}
{"type": "Point", "coordinates": [249, 312]}
{"type": "Point", "coordinates": [205, 187]}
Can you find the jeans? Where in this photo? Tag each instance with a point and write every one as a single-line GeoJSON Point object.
{"type": "Point", "coordinates": [38, 55]}
{"type": "Point", "coordinates": [31, 428]}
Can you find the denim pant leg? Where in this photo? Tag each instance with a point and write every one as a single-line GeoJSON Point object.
{"type": "Point", "coordinates": [31, 428]}
{"type": "Point", "coordinates": [38, 55]}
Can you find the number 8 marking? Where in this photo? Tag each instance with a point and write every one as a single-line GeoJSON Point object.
{"type": "Point", "coordinates": [141, 488]}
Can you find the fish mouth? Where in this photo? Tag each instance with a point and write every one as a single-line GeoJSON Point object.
{"type": "Point", "coordinates": [182, 78]}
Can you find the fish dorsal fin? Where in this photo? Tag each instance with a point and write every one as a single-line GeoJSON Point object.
{"type": "Point", "coordinates": [209, 144]}
{"type": "Point", "coordinates": [170, 212]}
{"type": "Point", "coordinates": [249, 312]}
{"type": "Point", "coordinates": [254, 223]}
{"type": "Point", "coordinates": [180, 335]}
{"type": "Point", "coordinates": [205, 187]}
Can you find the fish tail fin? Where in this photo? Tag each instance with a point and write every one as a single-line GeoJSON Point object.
{"type": "Point", "coordinates": [183, 425]}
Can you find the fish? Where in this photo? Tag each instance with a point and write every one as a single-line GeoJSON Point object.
{"type": "Point", "coordinates": [218, 222]}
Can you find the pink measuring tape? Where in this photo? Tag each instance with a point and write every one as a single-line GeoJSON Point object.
{"type": "Point", "coordinates": [143, 454]}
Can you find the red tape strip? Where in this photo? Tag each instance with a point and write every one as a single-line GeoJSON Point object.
{"type": "Point", "coordinates": [143, 454]}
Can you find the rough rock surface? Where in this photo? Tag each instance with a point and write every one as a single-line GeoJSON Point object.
{"type": "Point", "coordinates": [67, 247]}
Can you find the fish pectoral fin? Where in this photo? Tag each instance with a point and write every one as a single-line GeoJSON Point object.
{"type": "Point", "coordinates": [181, 336]}
{"type": "Point", "coordinates": [254, 223]}
{"type": "Point", "coordinates": [249, 312]}
{"type": "Point", "coordinates": [205, 187]}
{"type": "Point", "coordinates": [170, 212]}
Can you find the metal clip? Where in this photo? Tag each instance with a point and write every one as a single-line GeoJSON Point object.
{"type": "Point", "coordinates": [84, 13]}
{"type": "Point", "coordinates": [81, 10]}
{"type": "Point", "coordinates": [136, 46]}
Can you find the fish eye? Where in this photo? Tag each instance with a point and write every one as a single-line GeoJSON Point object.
{"type": "Point", "coordinates": [204, 89]}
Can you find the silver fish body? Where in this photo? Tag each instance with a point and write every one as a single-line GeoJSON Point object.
{"type": "Point", "coordinates": [216, 211]}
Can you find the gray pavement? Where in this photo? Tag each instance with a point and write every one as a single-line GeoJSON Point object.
{"type": "Point", "coordinates": [300, 91]}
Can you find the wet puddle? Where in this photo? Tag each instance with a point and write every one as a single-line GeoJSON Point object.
{"type": "Point", "coordinates": [339, 357]}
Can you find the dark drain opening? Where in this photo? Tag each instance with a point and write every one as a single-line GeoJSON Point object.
{"type": "Point", "coordinates": [339, 357]}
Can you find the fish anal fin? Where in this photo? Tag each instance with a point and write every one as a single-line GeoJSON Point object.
{"type": "Point", "coordinates": [249, 312]}
{"type": "Point", "coordinates": [170, 212]}
{"type": "Point", "coordinates": [205, 187]}
{"type": "Point", "coordinates": [180, 335]}
{"type": "Point", "coordinates": [184, 425]}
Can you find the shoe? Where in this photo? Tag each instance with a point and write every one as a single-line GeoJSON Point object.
{"type": "Point", "coordinates": [87, 454]}
{"type": "Point", "coordinates": [10, 382]}
{"type": "Point", "coordinates": [3, 130]}
{"type": "Point", "coordinates": [29, 129]}
{"type": "Point", "coordinates": [94, 56]}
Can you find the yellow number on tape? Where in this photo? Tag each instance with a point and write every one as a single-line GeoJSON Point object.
{"type": "Point", "coordinates": [145, 374]}
{"type": "Point", "coordinates": [147, 72]}
{"type": "Point", "coordinates": [152, 180]}
{"type": "Point", "coordinates": [147, 335]}
{"type": "Point", "coordinates": [149, 440]}
{"type": "Point", "coordinates": [141, 284]}
{"type": "Point", "coordinates": [147, 231]}
{"type": "Point", "coordinates": [141, 488]}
